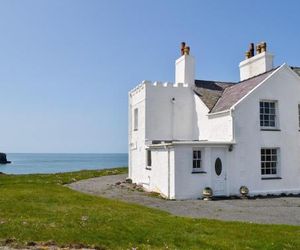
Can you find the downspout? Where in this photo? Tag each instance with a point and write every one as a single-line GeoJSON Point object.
{"type": "Point", "coordinates": [169, 171]}
{"type": "Point", "coordinates": [233, 140]}
{"type": "Point", "coordinates": [232, 127]}
{"type": "Point", "coordinates": [173, 100]}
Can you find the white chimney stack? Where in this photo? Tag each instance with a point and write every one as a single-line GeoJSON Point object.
{"type": "Point", "coordinates": [257, 64]}
{"type": "Point", "coordinates": [185, 67]}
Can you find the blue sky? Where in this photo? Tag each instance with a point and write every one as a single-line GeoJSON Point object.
{"type": "Point", "coordinates": [66, 66]}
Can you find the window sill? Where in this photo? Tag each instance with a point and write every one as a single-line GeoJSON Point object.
{"type": "Point", "coordinates": [271, 178]}
{"type": "Point", "coordinates": [148, 168]}
{"type": "Point", "coordinates": [199, 172]}
{"type": "Point", "coordinates": [270, 129]}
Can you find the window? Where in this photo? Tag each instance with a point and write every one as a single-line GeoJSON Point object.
{"type": "Point", "coordinates": [149, 158]}
{"type": "Point", "coordinates": [196, 160]}
{"type": "Point", "coordinates": [299, 115]}
{"type": "Point", "coordinates": [268, 114]}
{"type": "Point", "coordinates": [218, 166]}
{"type": "Point", "coordinates": [269, 161]}
{"type": "Point", "coordinates": [135, 119]}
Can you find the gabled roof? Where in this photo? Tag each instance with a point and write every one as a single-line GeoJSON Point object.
{"type": "Point", "coordinates": [210, 91]}
{"type": "Point", "coordinates": [296, 69]}
{"type": "Point", "coordinates": [221, 96]}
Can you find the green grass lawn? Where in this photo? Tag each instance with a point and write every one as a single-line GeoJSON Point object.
{"type": "Point", "coordinates": [39, 208]}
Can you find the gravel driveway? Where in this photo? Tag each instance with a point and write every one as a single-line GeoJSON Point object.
{"type": "Point", "coordinates": [283, 210]}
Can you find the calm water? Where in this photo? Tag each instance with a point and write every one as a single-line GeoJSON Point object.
{"type": "Point", "coordinates": [54, 163]}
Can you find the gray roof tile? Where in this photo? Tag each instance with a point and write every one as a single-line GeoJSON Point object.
{"type": "Point", "coordinates": [220, 96]}
{"type": "Point", "coordinates": [210, 91]}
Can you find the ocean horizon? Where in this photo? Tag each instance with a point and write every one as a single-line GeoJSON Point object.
{"type": "Point", "coordinates": [45, 163]}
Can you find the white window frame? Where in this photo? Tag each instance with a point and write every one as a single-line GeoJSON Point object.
{"type": "Point", "coordinates": [267, 160]}
{"type": "Point", "coordinates": [263, 114]}
{"type": "Point", "coordinates": [135, 119]}
{"type": "Point", "coordinates": [197, 160]}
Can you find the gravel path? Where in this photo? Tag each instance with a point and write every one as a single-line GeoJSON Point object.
{"type": "Point", "coordinates": [283, 210]}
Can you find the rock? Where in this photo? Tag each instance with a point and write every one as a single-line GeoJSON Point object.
{"type": "Point", "coordinates": [128, 180]}
{"type": "Point", "coordinates": [118, 183]}
{"type": "Point", "coordinates": [31, 243]}
{"type": "Point", "coordinates": [9, 241]}
{"type": "Point", "coordinates": [3, 159]}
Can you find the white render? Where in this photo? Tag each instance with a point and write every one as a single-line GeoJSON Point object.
{"type": "Point", "coordinates": [173, 121]}
{"type": "Point", "coordinates": [256, 65]}
{"type": "Point", "coordinates": [185, 70]}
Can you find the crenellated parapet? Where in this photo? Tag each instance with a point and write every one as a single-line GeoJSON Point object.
{"type": "Point", "coordinates": [156, 84]}
{"type": "Point", "coordinates": [167, 84]}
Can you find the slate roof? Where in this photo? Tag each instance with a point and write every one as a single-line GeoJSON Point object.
{"type": "Point", "coordinates": [220, 96]}
{"type": "Point", "coordinates": [210, 91]}
{"type": "Point", "coordinates": [296, 69]}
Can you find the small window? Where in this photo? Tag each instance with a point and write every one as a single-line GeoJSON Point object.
{"type": "Point", "coordinates": [218, 166]}
{"type": "Point", "coordinates": [299, 115]}
{"type": "Point", "coordinates": [149, 159]}
{"type": "Point", "coordinates": [269, 161]}
{"type": "Point", "coordinates": [135, 119]}
{"type": "Point", "coordinates": [197, 161]}
{"type": "Point", "coordinates": [268, 114]}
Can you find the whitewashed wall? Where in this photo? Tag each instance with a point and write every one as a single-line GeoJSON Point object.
{"type": "Point", "coordinates": [161, 175]}
{"type": "Point", "coordinates": [212, 127]}
{"type": "Point", "coordinates": [168, 118]}
{"type": "Point", "coordinates": [137, 154]}
{"type": "Point", "coordinates": [284, 87]}
{"type": "Point", "coordinates": [256, 65]}
{"type": "Point", "coordinates": [187, 184]}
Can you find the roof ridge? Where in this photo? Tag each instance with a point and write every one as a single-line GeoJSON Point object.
{"type": "Point", "coordinates": [239, 90]}
{"type": "Point", "coordinates": [221, 94]}
{"type": "Point", "coordinates": [216, 102]}
{"type": "Point", "coordinates": [253, 77]}
{"type": "Point", "coordinates": [216, 81]}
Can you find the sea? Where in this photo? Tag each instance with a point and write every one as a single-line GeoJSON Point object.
{"type": "Point", "coordinates": [31, 163]}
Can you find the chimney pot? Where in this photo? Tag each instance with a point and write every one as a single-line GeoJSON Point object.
{"type": "Point", "coordinates": [258, 48]}
{"type": "Point", "coordinates": [251, 49]}
{"type": "Point", "coordinates": [258, 64]}
{"type": "Point", "coordinates": [263, 46]}
{"type": "Point", "coordinates": [182, 48]}
{"type": "Point", "coordinates": [248, 54]}
{"type": "Point", "coordinates": [187, 50]}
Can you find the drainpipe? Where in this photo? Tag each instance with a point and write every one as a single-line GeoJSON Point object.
{"type": "Point", "coordinates": [233, 140]}
{"type": "Point", "coordinates": [233, 130]}
{"type": "Point", "coordinates": [173, 100]}
{"type": "Point", "coordinates": [169, 173]}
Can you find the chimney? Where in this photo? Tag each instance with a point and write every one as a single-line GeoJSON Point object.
{"type": "Point", "coordinates": [257, 64]}
{"type": "Point", "coordinates": [185, 67]}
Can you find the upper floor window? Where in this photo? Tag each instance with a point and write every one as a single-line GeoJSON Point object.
{"type": "Point", "coordinates": [197, 160]}
{"type": "Point", "coordinates": [268, 113]}
{"type": "Point", "coordinates": [135, 119]}
{"type": "Point", "coordinates": [269, 161]}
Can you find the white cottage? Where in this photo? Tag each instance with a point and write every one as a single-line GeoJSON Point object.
{"type": "Point", "coordinates": [192, 134]}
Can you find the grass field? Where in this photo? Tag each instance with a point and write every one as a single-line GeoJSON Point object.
{"type": "Point", "coordinates": [39, 208]}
